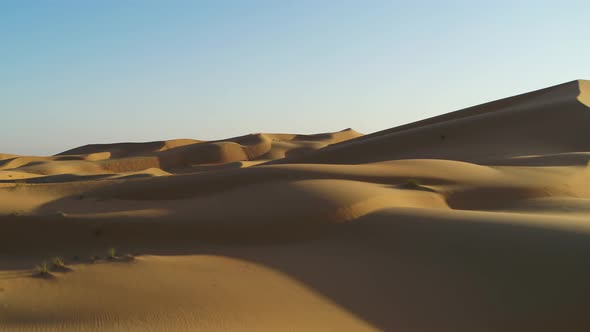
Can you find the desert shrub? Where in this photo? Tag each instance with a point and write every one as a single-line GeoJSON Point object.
{"type": "Point", "coordinates": [42, 270]}
{"type": "Point", "coordinates": [112, 253]}
{"type": "Point", "coordinates": [58, 262]}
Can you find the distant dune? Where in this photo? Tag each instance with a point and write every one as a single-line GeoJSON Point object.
{"type": "Point", "coordinates": [475, 220]}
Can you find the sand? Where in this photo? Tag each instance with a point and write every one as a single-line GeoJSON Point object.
{"type": "Point", "coordinates": [475, 220]}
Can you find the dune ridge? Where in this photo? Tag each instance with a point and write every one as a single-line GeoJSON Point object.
{"type": "Point", "coordinates": [472, 135]}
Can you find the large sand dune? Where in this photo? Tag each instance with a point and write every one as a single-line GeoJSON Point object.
{"type": "Point", "coordinates": [514, 130]}
{"type": "Point", "coordinates": [476, 220]}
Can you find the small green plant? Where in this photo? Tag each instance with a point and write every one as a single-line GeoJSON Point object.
{"type": "Point", "coordinates": [58, 263]}
{"type": "Point", "coordinates": [42, 270]}
{"type": "Point", "coordinates": [112, 253]}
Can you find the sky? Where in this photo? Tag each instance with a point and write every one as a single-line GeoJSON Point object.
{"type": "Point", "coordinates": [80, 72]}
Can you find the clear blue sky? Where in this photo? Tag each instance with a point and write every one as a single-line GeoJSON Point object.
{"type": "Point", "coordinates": [77, 72]}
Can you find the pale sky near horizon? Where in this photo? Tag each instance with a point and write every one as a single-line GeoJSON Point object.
{"type": "Point", "coordinates": [79, 72]}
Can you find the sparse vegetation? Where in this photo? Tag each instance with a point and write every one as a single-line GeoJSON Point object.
{"type": "Point", "coordinates": [112, 253]}
{"type": "Point", "coordinates": [42, 270]}
{"type": "Point", "coordinates": [58, 263]}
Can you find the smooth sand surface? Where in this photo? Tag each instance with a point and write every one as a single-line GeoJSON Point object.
{"type": "Point", "coordinates": [476, 220]}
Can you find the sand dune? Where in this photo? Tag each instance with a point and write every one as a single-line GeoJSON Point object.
{"type": "Point", "coordinates": [475, 220]}
{"type": "Point", "coordinates": [549, 121]}
{"type": "Point", "coordinates": [183, 154]}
